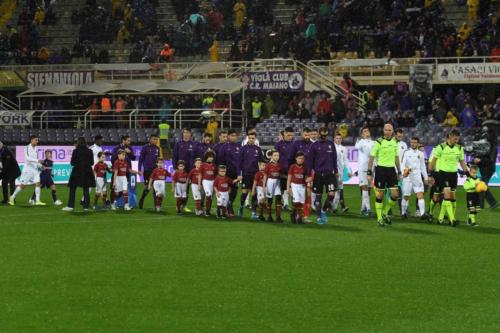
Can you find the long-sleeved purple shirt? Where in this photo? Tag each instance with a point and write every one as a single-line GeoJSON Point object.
{"type": "Point", "coordinates": [230, 154]}
{"type": "Point", "coordinates": [250, 156]}
{"type": "Point", "coordinates": [299, 145]}
{"type": "Point", "coordinates": [284, 148]}
{"type": "Point", "coordinates": [184, 150]}
{"type": "Point", "coordinates": [148, 157]}
{"type": "Point", "coordinates": [201, 149]}
{"type": "Point", "coordinates": [322, 157]}
{"type": "Point", "coordinates": [129, 157]}
{"type": "Point", "coordinates": [218, 156]}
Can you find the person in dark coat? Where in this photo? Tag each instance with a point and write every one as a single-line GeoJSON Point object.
{"type": "Point", "coordinates": [82, 174]}
{"type": "Point", "coordinates": [9, 171]}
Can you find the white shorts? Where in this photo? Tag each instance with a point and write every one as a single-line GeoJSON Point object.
{"type": "Point", "coordinates": [180, 190]}
{"type": "Point", "coordinates": [121, 184]}
{"type": "Point", "coordinates": [273, 188]}
{"type": "Point", "coordinates": [298, 193]}
{"type": "Point", "coordinates": [260, 193]}
{"type": "Point", "coordinates": [208, 187]}
{"type": "Point", "coordinates": [363, 178]}
{"type": "Point", "coordinates": [29, 176]}
{"type": "Point", "coordinates": [412, 183]}
{"type": "Point", "coordinates": [100, 185]}
{"type": "Point", "coordinates": [223, 199]}
{"type": "Point", "coordinates": [159, 187]}
{"type": "Point", "coordinates": [196, 190]}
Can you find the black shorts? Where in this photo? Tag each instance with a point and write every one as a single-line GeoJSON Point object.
{"type": "Point", "coordinates": [283, 181]}
{"type": "Point", "coordinates": [247, 182]}
{"type": "Point", "coordinates": [46, 182]}
{"type": "Point", "coordinates": [446, 179]}
{"type": "Point", "coordinates": [146, 175]}
{"type": "Point", "coordinates": [164, 143]}
{"type": "Point", "coordinates": [386, 177]}
{"type": "Point", "coordinates": [434, 190]}
{"type": "Point", "coordinates": [324, 180]}
{"type": "Point", "coordinates": [473, 200]}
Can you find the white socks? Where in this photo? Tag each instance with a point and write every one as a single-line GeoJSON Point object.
{"type": "Point", "coordinates": [365, 200]}
{"type": "Point", "coordinates": [404, 206]}
{"type": "Point", "coordinates": [16, 192]}
{"type": "Point", "coordinates": [336, 200]}
{"type": "Point", "coordinates": [37, 193]}
{"type": "Point", "coordinates": [421, 206]}
{"type": "Point", "coordinates": [285, 198]}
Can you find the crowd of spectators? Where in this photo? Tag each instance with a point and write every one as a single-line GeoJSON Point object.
{"type": "Point", "coordinates": [379, 28]}
{"type": "Point", "coordinates": [22, 41]}
{"type": "Point", "coordinates": [448, 107]}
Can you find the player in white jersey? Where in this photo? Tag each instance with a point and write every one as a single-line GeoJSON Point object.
{"type": "Point", "coordinates": [364, 147]}
{"type": "Point", "coordinates": [414, 170]}
{"type": "Point", "coordinates": [402, 146]}
{"type": "Point", "coordinates": [31, 172]}
{"type": "Point", "coordinates": [341, 165]}
{"type": "Point", "coordinates": [250, 130]}
{"type": "Point", "coordinates": [96, 148]}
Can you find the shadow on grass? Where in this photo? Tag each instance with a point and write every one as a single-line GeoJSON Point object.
{"type": "Point", "coordinates": [485, 230]}
{"type": "Point", "coordinates": [411, 231]}
{"type": "Point", "coordinates": [327, 227]}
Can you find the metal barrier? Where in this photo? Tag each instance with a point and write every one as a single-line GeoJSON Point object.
{"type": "Point", "coordinates": [133, 118]}
{"type": "Point", "coordinates": [396, 68]}
{"type": "Point", "coordinates": [7, 104]}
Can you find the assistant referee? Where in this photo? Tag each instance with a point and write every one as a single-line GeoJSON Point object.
{"type": "Point", "coordinates": [387, 172]}
{"type": "Point", "coordinates": [449, 155]}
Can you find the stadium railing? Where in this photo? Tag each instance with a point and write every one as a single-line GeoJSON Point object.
{"type": "Point", "coordinates": [393, 69]}
{"type": "Point", "coordinates": [133, 118]}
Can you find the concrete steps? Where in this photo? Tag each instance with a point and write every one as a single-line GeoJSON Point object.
{"type": "Point", "coordinates": [455, 13]}
{"type": "Point", "coordinates": [284, 13]}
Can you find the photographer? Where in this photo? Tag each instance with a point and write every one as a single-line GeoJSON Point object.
{"type": "Point", "coordinates": [487, 161]}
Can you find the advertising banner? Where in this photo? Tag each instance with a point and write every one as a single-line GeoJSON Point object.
{"type": "Point", "coordinates": [9, 80]}
{"type": "Point", "coordinates": [61, 155]}
{"type": "Point", "coordinates": [469, 72]}
{"type": "Point", "coordinates": [76, 78]}
{"type": "Point", "coordinates": [421, 79]}
{"type": "Point", "coordinates": [15, 118]}
{"type": "Point", "coordinates": [274, 81]}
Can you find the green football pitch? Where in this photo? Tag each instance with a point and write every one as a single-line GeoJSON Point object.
{"type": "Point", "coordinates": [140, 271]}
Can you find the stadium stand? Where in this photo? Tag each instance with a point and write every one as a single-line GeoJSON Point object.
{"type": "Point", "coordinates": [116, 31]}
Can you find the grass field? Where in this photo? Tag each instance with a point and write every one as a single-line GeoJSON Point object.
{"type": "Point", "coordinates": [143, 272]}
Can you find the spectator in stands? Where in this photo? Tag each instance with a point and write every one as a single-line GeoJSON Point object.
{"type": "Point", "coordinates": [269, 105]}
{"type": "Point", "coordinates": [214, 51]}
{"type": "Point", "coordinates": [120, 116]}
{"type": "Point", "coordinates": [256, 111]}
{"type": "Point", "coordinates": [105, 109]}
{"type": "Point", "coordinates": [43, 55]}
{"type": "Point", "coordinates": [451, 120]}
{"type": "Point", "coordinates": [468, 116]}
{"type": "Point", "coordinates": [167, 53]}
{"type": "Point", "coordinates": [324, 110]}
{"type": "Point", "coordinates": [123, 35]}
{"type": "Point", "coordinates": [116, 7]}
{"type": "Point", "coordinates": [39, 16]}
{"type": "Point", "coordinates": [472, 8]}
{"type": "Point", "coordinates": [240, 12]}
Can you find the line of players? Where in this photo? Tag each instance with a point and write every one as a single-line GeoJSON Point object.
{"type": "Point", "coordinates": [300, 168]}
